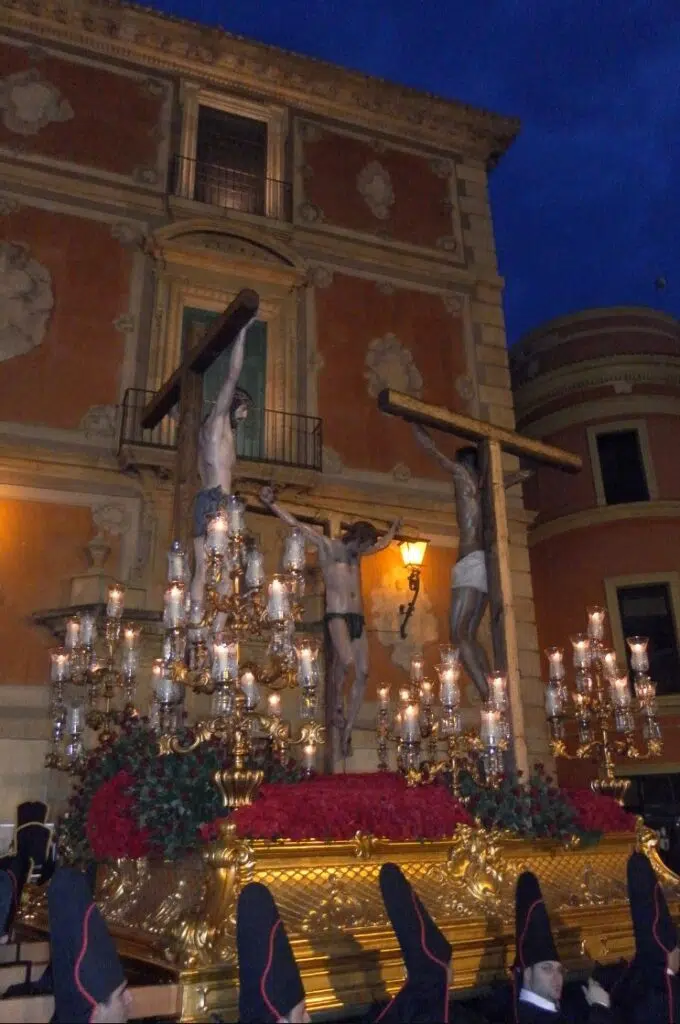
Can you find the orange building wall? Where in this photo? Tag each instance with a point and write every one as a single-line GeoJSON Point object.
{"type": "Point", "coordinates": [421, 212]}
{"type": "Point", "coordinates": [435, 584]}
{"type": "Point", "coordinates": [568, 574]}
{"type": "Point", "coordinates": [79, 362]}
{"type": "Point", "coordinates": [351, 312]}
{"type": "Point", "coordinates": [116, 119]}
{"type": "Point", "coordinates": [41, 546]}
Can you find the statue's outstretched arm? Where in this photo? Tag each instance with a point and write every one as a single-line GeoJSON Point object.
{"type": "Point", "coordinates": [267, 498]}
{"type": "Point", "coordinates": [426, 442]}
{"type": "Point", "coordinates": [226, 393]}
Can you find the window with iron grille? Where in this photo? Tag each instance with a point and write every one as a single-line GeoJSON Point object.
{"type": "Point", "coordinates": [647, 610]}
{"type": "Point", "coordinates": [231, 161]}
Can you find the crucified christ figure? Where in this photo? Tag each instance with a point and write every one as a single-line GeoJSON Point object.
{"type": "Point", "coordinates": [216, 458]}
{"type": "Point", "coordinates": [469, 580]}
{"type": "Point", "coordinates": [340, 564]}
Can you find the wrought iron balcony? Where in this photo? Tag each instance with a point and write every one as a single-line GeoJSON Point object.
{"type": "Point", "coordinates": [268, 435]}
{"type": "Point", "coordinates": [231, 189]}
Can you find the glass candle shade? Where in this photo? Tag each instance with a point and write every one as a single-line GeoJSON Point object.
{"type": "Point", "coordinates": [174, 606]}
{"type": "Point", "coordinates": [254, 576]}
{"type": "Point", "coordinates": [72, 634]}
{"type": "Point", "coordinates": [581, 645]}
{"type": "Point", "coordinates": [410, 729]}
{"type": "Point", "coordinates": [250, 689]}
{"type": "Point", "coordinates": [176, 563]}
{"type": "Point", "coordinates": [115, 601]}
{"type": "Point", "coordinates": [639, 658]}
{"type": "Point", "coordinates": [491, 731]}
{"type": "Point", "coordinates": [449, 689]}
{"type": "Point", "coordinates": [596, 620]}
{"type": "Point", "coordinates": [225, 659]}
{"type": "Point", "coordinates": [88, 629]}
{"type": "Point", "coordinates": [294, 557]}
{"type": "Point", "coordinates": [60, 665]}
{"type": "Point", "coordinates": [556, 669]}
{"type": "Point", "coordinates": [554, 705]}
{"type": "Point", "coordinates": [236, 516]}
{"type": "Point", "coordinates": [278, 600]}
{"type": "Point", "coordinates": [217, 533]}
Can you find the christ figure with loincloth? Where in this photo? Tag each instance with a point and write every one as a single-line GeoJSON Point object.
{"type": "Point", "coordinates": [340, 564]}
{"type": "Point", "coordinates": [469, 580]}
{"type": "Point", "coordinates": [216, 459]}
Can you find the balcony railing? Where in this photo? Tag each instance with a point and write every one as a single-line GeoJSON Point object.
{"type": "Point", "coordinates": [231, 189]}
{"type": "Point", "coordinates": [268, 435]}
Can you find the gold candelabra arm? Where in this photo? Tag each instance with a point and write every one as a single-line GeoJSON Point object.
{"type": "Point", "coordinates": [312, 733]}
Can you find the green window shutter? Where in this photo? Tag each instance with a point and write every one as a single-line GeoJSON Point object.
{"type": "Point", "coordinates": [253, 379]}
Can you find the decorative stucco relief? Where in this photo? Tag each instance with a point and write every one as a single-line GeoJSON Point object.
{"type": "Point", "coordinates": [453, 303]}
{"type": "Point", "coordinates": [385, 603]}
{"type": "Point", "coordinates": [127, 234]}
{"type": "Point", "coordinates": [29, 102]}
{"type": "Point", "coordinates": [125, 323]}
{"type": "Point", "coordinates": [465, 387]}
{"type": "Point", "coordinates": [26, 300]}
{"type": "Point", "coordinates": [375, 188]}
{"type": "Point", "coordinates": [99, 421]}
{"type": "Point", "coordinates": [310, 214]}
{"type": "Point", "coordinates": [442, 167]}
{"type": "Point", "coordinates": [401, 473]}
{"type": "Point", "coordinates": [319, 276]}
{"type": "Point", "coordinates": [311, 131]}
{"type": "Point", "coordinates": [331, 461]}
{"type": "Point", "coordinates": [8, 205]}
{"type": "Point", "coordinates": [447, 243]}
{"type": "Point", "coordinates": [389, 364]}
{"type": "Point", "coordinates": [111, 518]}
{"type": "Point", "coordinates": [385, 287]}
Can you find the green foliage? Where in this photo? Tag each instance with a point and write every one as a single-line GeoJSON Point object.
{"type": "Point", "coordinates": [535, 808]}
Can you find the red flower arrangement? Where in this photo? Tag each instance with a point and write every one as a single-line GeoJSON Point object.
{"type": "Point", "coordinates": [337, 806]}
{"type": "Point", "coordinates": [596, 813]}
{"type": "Point", "coordinates": [111, 823]}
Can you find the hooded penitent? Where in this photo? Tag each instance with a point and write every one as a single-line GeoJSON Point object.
{"type": "Point", "coordinates": [85, 963]}
{"type": "Point", "coordinates": [269, 980]}
{"type": "Point", "coordinates": [33, 837]}
{"type": "Point", "coordinates": [647, 987]}
{"type": "Point", "coordinates": [534, 943]}
{"type": "Point", "coordinates": [426, 953]}
{"type": "Point", "coordinates": [13, 875]}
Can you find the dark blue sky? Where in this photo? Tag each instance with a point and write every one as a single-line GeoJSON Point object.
{"type": "Point", "coordinates": [587, 202]}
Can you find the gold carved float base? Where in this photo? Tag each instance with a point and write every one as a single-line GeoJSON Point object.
{"type": "Point", "coordinates": [181, 915]}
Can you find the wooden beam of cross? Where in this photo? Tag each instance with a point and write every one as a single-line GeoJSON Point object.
{"type": "Point", "coordinates": [491, 442]}
{"type": "Point", "coordinates": [185, 387]}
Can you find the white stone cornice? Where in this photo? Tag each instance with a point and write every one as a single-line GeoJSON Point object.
{"type": "Point", "coordinates": [601, 410]}
{"type": "Point", "coordinates": [610, 371]}
{"type": "Point", "coordinates": [602, 516]}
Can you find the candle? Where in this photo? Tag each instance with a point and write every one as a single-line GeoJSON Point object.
{"type": "Point", "coordinates": [309, 757]}
{"type": "Point", "coordinates": [449, 690]}
{"type": "Point", "coordinates": [60, 665]}
{"type": "Point", "coordinates": [448, 655]}
{"type": "Point", "coordinates": [609, 664]}
{"type": "Point", "coordinates": [294, 551]}
{"type": "Point", "coordinates": [75, 719]}
{"type": "Point", "coordinates": [114, 605]}
{"type": "Point", "coordinates": [596, 617]}
{"type": "Point", "coordinates": [250, 689]}
{"type": "Point", "coordinates": [553, 701]}
{"type": "Point", "coordinates": [225, 660]}
{"type": "Point", "coordinates": [621, 695]}
{"type": "Point", "coordinates": [278, 605]}
{"type": "Point", "coordinates": [72, 634]}
{"type": "Point", "coordinates": [384, 697]}
{"type": "Point", "coordinates": [490, 726]}
{"type": "Point", "coordinates": [216, 534]}
{"type": "Point", "coordinates": [556, 669]}
{"type": "Point", "coordinates": [87, 629]}
{"type": "Point", "coordinates": [235, 516]}
{"type": "Point", "coordinates": [306, 658]}
{"type": "Point", "coordinates": [426, 694]}
{"type": "Point", "coordinates": [417, 670]}
{"type": "Point", "coordinates": [254, 569]}
{"type": "Point", "coordinates": [411, 724]}
{"type": "Point", "coordinates": [497, 690]}
{"type": "Point", "coordinates": [581, 645]}
{"type": "Point", "coordinates": [639, 659]}
{"type": "Point", "coordinates": [131, 638]}
{"type": "Point", "coordinates": [167, 691]}
{"type": "Point", "coordinates": [274, 705]}
{"type": "Point", "coordinates": [196, 612]}
{"type": "Point", "coordinates": [176, 563]}
{"type": "Point", "coordinates": [130, 662]}
{"type": "Point", "coordinates": [404, 695]}
{"type": "Point", "coordinates": [175, 606]}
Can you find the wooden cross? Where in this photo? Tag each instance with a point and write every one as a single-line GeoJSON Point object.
{"type": "Point", "coordinates": [186, 387]}
{"type": "Point", "coordinates": [491, 442]}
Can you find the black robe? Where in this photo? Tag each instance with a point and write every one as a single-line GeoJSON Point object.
{"type": "Point", "coordinates": [530, 1014]}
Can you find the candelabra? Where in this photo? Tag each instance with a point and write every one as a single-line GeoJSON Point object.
{"type": "Point", "coordinates": [605, 715]}
{"type": "Point", "coordinates": [88, 676]}
{"type": "Point", "coordinates": [202, 640]}
{"type": "Point", "coordinates": [419, 720]}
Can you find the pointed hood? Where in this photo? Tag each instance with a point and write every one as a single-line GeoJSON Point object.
{"type": "Point", "coordinates": [655, 933]}
{"type": "Point", "coordinates": [534, 941]}
{"type": "Point", "coordinates": [269, 979]}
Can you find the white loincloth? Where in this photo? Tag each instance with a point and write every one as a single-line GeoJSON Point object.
{"type": "Point", "coordinates": [470, 571]}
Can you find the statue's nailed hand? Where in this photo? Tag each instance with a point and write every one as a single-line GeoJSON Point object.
{"type": "Point", "coordinates": [267, 496]}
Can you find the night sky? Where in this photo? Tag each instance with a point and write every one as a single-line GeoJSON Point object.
{"type": "Point", "coordinates": [587, 201]}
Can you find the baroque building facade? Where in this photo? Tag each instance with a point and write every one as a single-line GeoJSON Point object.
{"type": "Point", "coordinates": [149, 170]}
{"type": "Point", "coordinates": [605, 384]}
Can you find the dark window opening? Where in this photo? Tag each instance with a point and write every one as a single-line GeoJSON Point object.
{"type": "Point", "coordinates": [622, 467]}
{"type": "Point", "coordinates": [231, 161]}
{"type": "Point", "coordinates": [646, 610]}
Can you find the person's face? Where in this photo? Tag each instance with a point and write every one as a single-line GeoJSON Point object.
{"type": "Point", "coordinates": [116, 1009]}
{"type": "Point", "coordinates": [298, 1015]}
{"type": "Point", "coordinates": [674, 960]}
{"type": "Point", "coordinates": [545, 979]}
